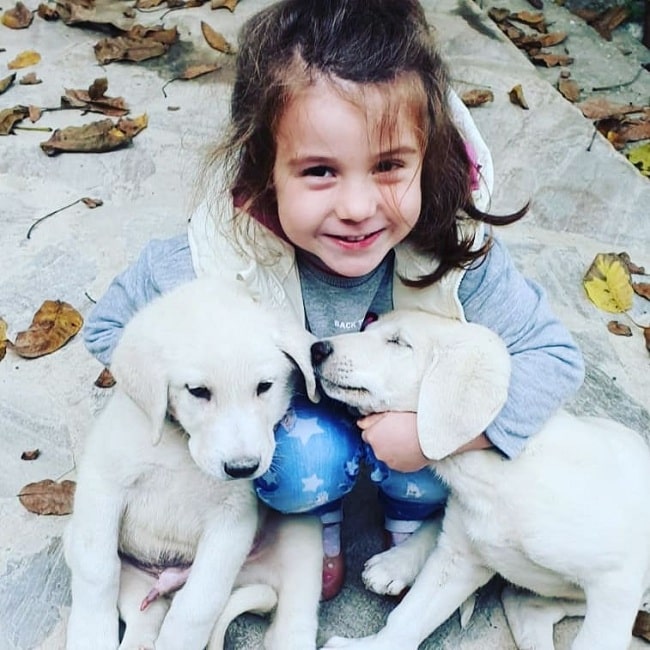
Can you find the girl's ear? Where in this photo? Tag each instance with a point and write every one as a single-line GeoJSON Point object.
{"type": "Point", "coordinates": [139, 371]}
{"type": "Point", "coordinates": [462, 391]}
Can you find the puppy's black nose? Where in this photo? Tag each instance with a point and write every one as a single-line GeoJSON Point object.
{"type": "Point", "coordinates": [320, 351]}
{"type": "Point", "coordinates": [241, 468]}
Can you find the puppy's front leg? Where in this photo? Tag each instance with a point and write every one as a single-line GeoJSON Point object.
{"type": "Point", "coordinates": [195, 608]}
{"type": "Point", "coordinates": [91, 540]}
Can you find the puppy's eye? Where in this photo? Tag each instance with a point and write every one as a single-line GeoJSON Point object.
{"type": "Point", "coordinates": [263, 387]}
{"type": "Point", "coordinates": [200, 392]}
{"type": "Point", "coordinates": [397, 340]}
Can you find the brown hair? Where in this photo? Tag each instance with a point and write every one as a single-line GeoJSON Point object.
{"type": "Point", "coordinates": [379, 42]}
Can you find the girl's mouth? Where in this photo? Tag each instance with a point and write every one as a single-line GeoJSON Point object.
{"type": "Point", "coordinates": [356, 241]}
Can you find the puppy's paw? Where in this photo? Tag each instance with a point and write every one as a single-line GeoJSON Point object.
{"type": "Point", "coordinates": [387, 573]}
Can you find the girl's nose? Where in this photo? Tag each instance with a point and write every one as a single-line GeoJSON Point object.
{"type": "Point", "coordinates": [357, 201]}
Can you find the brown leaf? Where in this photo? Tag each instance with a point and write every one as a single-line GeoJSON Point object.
{"type": "Point", "coordinates": [569, 89]}
{"type": "Point", "coordinates": [599, 108]}
{"type": "Point", "coordinates": [634, 130]}
{"type": "Point", "coordinates": [47, 13]}
{"type": "Point", "coordinates": [30, 79]}
{"type": "Point", "coordinates": [155, 33]}
{"type": "Point", "coordinates": [609, 19]}
{"type": "Point", "coordinates": [215, 40]}
{"type": "Point", "coordinates": [96, 137]}
{"type": "Point", "coordinates": [3, 338]}
{"type": "Point", "coordinates": [131, 127]}
{"type": "Point", "coordinates": [477, 97]}
{"type": "Point", "coordinates": [550, 60]}
{"type": "Point", "coordinates": [9, 117]}
{"type": "Point", "coordinates": [631, 266]}
{"type": "Point", "coordinates": [642, 289]}
{"type": "Point", "coordinates": [53, 325]}
{"type": "Point", "coordinates": [512, 32]}
{"type": "Point", "coordinates": [98, 88]}
{"type": "Point", "coordinates": [95, 14]}
{"type": "Point", "coordinates": [138, 44]}
{"type": "Point", "coordinates": [105, 379]}
{"type": "Point", "coordinates": [32, 454]}
{"type": "Point", "coordinates": [620, 329]}
{"type": "Point", "coordinates": [516, 96]}
{"type": "Point", "coordinates": [7, 82]}
{"type": "Point", "coordinates": [538, 41]}
{"type": "Point", "coordinates": [642, 625]}
{"type": "Point", "coordinates": [24, 60]}
{"type": "Point", "coordinates": [92, 203]}
{"type": "Point", "coordinates": [498, 14]}
{"type": "Point", "coordinates": [48, 497]}
{"type": "Point", "coordinates": [17, 18]}
{"type": "Point", "coordinates": [533, 19]}
{"type": "Point", "coordinates": [646, 338]}
{"type": "Point", "coordinates": [35, 113]}
{"type": "Point", "coordinates": [148, 4]}
{"type": "Point", "coordinates": [194, 71]}
{"type": "Point", "coordinates": [228, 4]}
{"type": "Point", "coordinates": [112, 106]}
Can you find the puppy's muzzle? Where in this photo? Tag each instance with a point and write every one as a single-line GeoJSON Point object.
{"type": "Point", "coordinates": [320, 351]}
{"type": "Point", "coordinates": [242, 468]}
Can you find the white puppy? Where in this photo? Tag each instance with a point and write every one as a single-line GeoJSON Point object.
{"type": "Point", "coordinates": [204, 374]}
{"type": "Point", "coordinates": [567, 520]}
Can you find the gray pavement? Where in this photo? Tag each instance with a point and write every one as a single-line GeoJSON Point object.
{"type": "Point", "coordinates": [585, 200]}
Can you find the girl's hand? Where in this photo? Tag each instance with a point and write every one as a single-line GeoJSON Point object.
{"type": "Point", "coordinates": [393, 436]}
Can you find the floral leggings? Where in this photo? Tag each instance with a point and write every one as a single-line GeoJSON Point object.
{"type": "Point", "coordinates": [319, 453]}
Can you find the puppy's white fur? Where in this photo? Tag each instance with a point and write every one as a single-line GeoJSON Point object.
{"type": "Point", "coordinates": [203, 376]}
{"type": "Point", "coordinates": [566, 520]}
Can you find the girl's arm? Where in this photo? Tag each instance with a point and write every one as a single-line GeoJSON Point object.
{"type": "Point", "coordinates": [162, 265]}
{"type": "Point", "coordinates": [547, 366]}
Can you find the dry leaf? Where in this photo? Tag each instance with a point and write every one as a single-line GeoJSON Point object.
{"type": "Point", "coordinates": [609, 19]}
{"type": "Point", "coordinates": [94, 100]}
{"type": "Point", "coordinates": [53, 325]}
{"type": "Point", "coordinates": [646, 338]}
{"type": "Point", "coordinates": [642, 625]}
{"type": "Point", "coordinates": [148, 4]}
{"type": "Point", "coordinates": [550, 60]}
{"type": "Point", "coordinates": [35, 113]}
{"type": "Point", "coordinates": [98, 88]}
{"type": "Point", "coordinates": [131, 127]}
{"type": "Point", "coordinates": [642, 289]}
{"type": "Point", "coordinates": [138, 44]}
{"type": "Point", "coordinates": [32, 454]}
{"type": "Point", "coordinates": [607, 283]}
{"type": "Point", "coordinates": [215, 40]}
{"type": "Point", "coordinates": [228, 4]}
{"type": "Point", "coordinates": [96, 137]}
{"type": "Point", "coordinates": [105, 379]}
{"type": "Point", "coordinates": [17, 18]}
{"type": "Point", "coordinates": [9, 117]}
{"type": "Point", "coordinates": [600, 109]}
{"type": "Point", "coordinates": [477, 97]}
{"type": "Point", "coordinates": [538, 41]}
{"type": "Point", "coordinates": [24, 60]}
{"type": "Point", "coordinates": [95, 14]}
{"type": "Point", "coordinates": [47, 13]}
{"type": "Point", "coordinates": [569, 88]}
{"type": "Point", "coordinates": [516, 96]}
{"type": "Point", "coordinates": [512, 32]}
{"type": "Point", "coordinates": [92, 203]}
{"type": "Point", "coordinates": [3, 338]}
{"type": "Point", "coordinates": [631, 266]}
{"type": "Point", "coordinates": [199, 70]}
{"type": "Point", "coordinates": [6, 83]}
{"type": "Point", "coordinates": [620, 329]}
{"type": "Point", "coordinates": [633, 131]}
{"type": "Point", "coordinates": [533, 19]}
{"type": "Point", "coordinates": [48, 497]}
{"type": "Point", "coordinates": [639, 157]}
{"type": "Point", "coordinates": [498, 14]}
{"type": "Point", "coordinates": [30, 79]}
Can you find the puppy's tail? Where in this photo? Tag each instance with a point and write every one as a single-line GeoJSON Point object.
{"type": "Point", "coordinates": [257, 599]}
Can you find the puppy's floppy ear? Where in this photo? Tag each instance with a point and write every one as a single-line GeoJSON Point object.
{"type": "Point", "coordinates": [462, 391]}
{"type": "Point", "coordinates": [139, 371]}
{"type": "Point", "coordinates": [296, 342]}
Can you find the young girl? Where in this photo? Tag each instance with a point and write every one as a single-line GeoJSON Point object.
{"type": "Point", "coordinates": [353, 182]}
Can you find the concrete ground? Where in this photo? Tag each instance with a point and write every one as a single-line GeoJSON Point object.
{"type": "Point", "coordinates": [586, 199]}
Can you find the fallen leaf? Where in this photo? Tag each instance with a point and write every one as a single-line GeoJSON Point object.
{"type": "Point", "coordinates": [194, 71]}
{"type": "Point", "coordinates": [9, 117]}
{"type": "Point", "coordinates": [633, 131]}
{"type": "Point", "coordinates": [215, 40]}
{"type": "Point", "coordinates": [48, 497]}
{"type": "Point", "coordinates": [600, 109]}
{"type": "Point", "coordinates": [96, 137]}
{"type": "Point", "coordinates": [138, 44]}
{"type": "Point", "coordinates": [642, 289]}
{"type": "Point", "coordinates": [98, 88]}
{"type": "Point", "coordinates": [631, 266]}
{"type": "Point", "coordinates": [17, 18]}
{"type": "Point", "coordinates": [32, 454]}
{"type": "Point", "coordinates": [620, 329]}
{"type": "Point", "coordinates": [512, 32]}
{"type": "Point", "coordinates": [228, 4]}
{"type": "Point", "coordinates": [3, 338]}
{"type": "Point", "coordinates": [96, 14]}
{"type": "Point", "coordinates": [607, 283]}
{"type": "Point", "coordinates": [609, 19]}
{"type": "Point", "coordinates": [131, 127]}
{"type": "Point", "coordinates": [148, 4]}
{"type": "Point", "coordinates": [516, 95]}
{"type": "Point", "coordinates": [533, 19]}
{"type": "Point", "coordinates": [53, 325]}
{"type": "Point", "coordinates": [105, 379]}
{"type": "Point", "coordinates": [35, 113]}
{"type": "Point", "coordinates": [527, 42]}
{"type": "Point", "coordinates": [498, 14]}
{"type": "Point", "coordinates": [646, 337]}
{"type": "Point", "coordinates": [24, 60]}
{"type": "Point", "coordinates": [47, 13]}
{"type": "Point", "coordinates": [550, 60]}
{"type": "Point", "coordinates": [94, 100]}
{"type": "Point", "coordinates": [92, 203]}
{"type": "Point", "coordinates": [7, 82]}
{"type": "Point", "coordinates": [569, 89]}
{"type": "Point", "coordinates": [477, 97]}
{"type": "Point", "coordinates": [639, 157]}
{"type": "Point", "coordinates": [30, 79]}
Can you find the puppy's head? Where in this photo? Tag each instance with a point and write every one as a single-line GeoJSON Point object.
{"type": "Point", "coordinates": [454, 375]}
{"type": "Point", "coordinates": [224, 367]}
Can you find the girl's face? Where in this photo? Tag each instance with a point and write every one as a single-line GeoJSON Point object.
{"type": "Point", "coordinates": [345, 194]}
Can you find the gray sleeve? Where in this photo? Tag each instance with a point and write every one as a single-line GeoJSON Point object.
{"type": "Point", "coordinates": [547, 365]}
{"type": "Point", "coordinates": [162, 265]}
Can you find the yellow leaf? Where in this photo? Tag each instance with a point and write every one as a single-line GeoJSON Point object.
{"type": "Point", "coordinates": [24, 59]}
{"type": "Point", "coordinates": [640, 158]}
{"type": "Point", "coordinates": [607, 283]}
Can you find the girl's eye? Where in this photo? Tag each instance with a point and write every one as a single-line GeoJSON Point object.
{"type": "Point", "coordinates": [200, 392]}
{"type": "Point", "coordinates": [320, 171]}
{"type": "Point", "coordinates": [385, 166]}
{"type": "Point", "coordinates": [263, 387]}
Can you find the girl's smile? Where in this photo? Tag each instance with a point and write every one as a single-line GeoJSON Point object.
{"type": "Point", "coordinates": [347, 189]}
